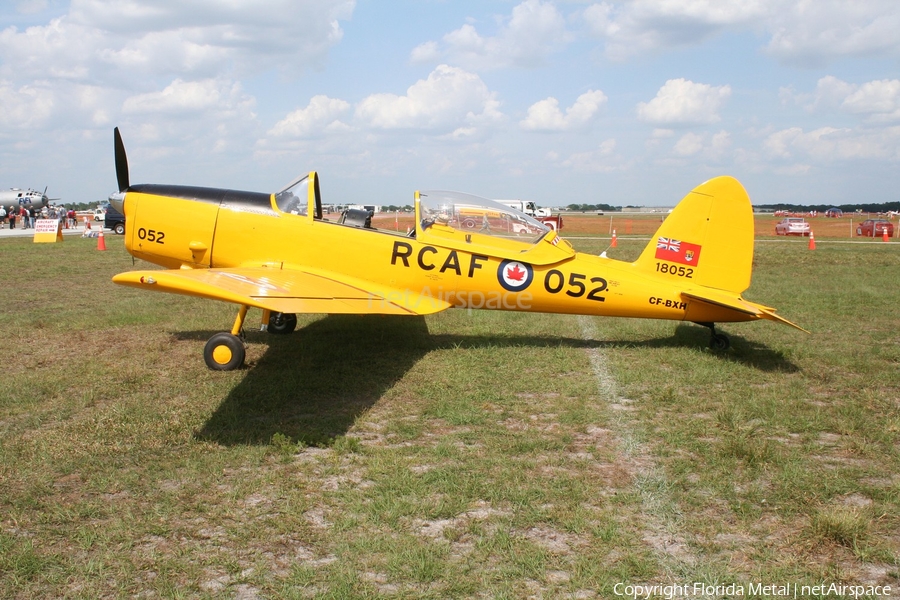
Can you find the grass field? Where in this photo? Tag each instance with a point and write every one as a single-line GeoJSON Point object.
{"type": "Point", "coordinates": [467, 454]}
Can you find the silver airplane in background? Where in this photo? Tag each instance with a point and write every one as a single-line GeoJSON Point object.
{"type": "Point", "coordinates": [29, 197]}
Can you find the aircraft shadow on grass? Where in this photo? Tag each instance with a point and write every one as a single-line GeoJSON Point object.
{"type": "Point", "coordinates": [311, 386]}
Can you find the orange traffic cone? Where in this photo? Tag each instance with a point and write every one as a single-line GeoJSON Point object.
{"type": "Point", "coordinates": [101, 243]}
{"type": "Point", "coordinates": [812, 240]}
{"type": "Point", "coordinates": [614, 243]}
{"type": "Point", "coordinates": [884, 235]}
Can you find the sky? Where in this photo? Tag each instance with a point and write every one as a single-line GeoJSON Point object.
{"type": "Point", "coordinates": [617, 102]}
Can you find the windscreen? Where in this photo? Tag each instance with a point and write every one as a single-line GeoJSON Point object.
{"type": "Point", "coordinates": [472, 214]}
{"type": "Point", "coordinates": [293, 199]}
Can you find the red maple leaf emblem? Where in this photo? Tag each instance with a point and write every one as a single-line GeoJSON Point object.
{"type": "Point", "coordinates": [515, 273]}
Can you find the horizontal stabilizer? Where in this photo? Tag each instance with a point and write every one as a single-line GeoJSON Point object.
{"type": "Point", "coordinates": [769, 314]}
{"type": "Point", "coordinates": [730, 302]}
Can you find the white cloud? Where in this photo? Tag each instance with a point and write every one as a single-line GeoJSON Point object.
{"type": "Point", "coordinates": [720, 142]}
{"type": "Point", "coordinates": [689, 144]}
{"type": "Point", "coordinates": [448, 100]}
{"type": "Point", "coordinates": [24, 107]}
{"type": "Point", "coordinates": [642, 26]}
{"type": "Point", "coordinates": [425, 53]}
{"type": "Point", "coordinates": [879, 100]}
{"type": "Point", "coordinates": [799, 32]}
{"type": "Point", "coordinates": [829, 144]}
{"type": "Point", "coordinates": [546, 115]}
{"type": "Point", "coordinates": [164, 70]}
{"type": "Point", "coordinates": [830, 92]}
{"type": "Point", "coordinates": [321, 116]}
{"type": "Point", "coordinates": [189, 98]}
{"type": "Point", "coordinates": [710, 147]}
{"type": "Point", "coordinates": [120, 41]}
{"type": "Point", "coordinates": [27, 7]}
{"type": "Point", "coordinates": [812, 33]}
{"type": "Point", "coordinates": [876, 101]}
{"type": "Point", "coordinates": [683, 102]}
{"type": "Point", "coordinates": [601, 160]}
{"type": "Point", "coordinates": [533, 30]}
{"type": "Point", "coordinates": [191, 117]}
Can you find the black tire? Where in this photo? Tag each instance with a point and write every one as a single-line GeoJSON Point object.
{"type": "Point", "coordinates": [719, 342]}
{"type": "Point", "coordinates": [119, 228]}
{"type": "Point", "coordinates": [224, 352]}
{"type": "Point", "coordinates": [282, 323]}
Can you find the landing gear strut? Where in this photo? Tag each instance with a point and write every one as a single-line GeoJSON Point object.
{"type": "Point", "coordinates": [717, 341]}
{"type": "Point", "coordinates": [225, 351]}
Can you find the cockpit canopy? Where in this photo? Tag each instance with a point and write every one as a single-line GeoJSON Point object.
{"type": "Point", "coordinates": [293, 199]}
{"type": "Point", "coordinates": [448, 211]}
{"type": "Point", "coordinates": [472, 214]}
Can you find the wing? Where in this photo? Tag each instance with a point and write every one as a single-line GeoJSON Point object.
{"type": "Point", "coordinates": [287, 290]}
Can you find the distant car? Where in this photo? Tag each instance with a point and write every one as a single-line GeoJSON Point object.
{"type": "Point", "coordinates": [114, 220]}
{"type": "Point", "coordinates": [792, 226]}
{"type": "Point", "coordinates": [875, 228]}
{"type": "Point", "coordinates": [99, 214]}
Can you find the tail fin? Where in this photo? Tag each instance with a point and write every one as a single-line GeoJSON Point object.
{"type": "Point", "coordinates": [710, 232]}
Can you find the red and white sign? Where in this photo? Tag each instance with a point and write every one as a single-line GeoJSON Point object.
{"type": "Point", "coordinates": [47, 230]}
{"type": "Point", "coordinates": [46, 226]}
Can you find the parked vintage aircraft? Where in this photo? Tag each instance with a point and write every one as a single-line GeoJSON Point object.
{"type": "Point", "coordinates": [276, 252]}
{"type": "Point", "coordinates": [29, 197]}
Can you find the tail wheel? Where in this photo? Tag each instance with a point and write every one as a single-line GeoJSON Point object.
{"type": "Point", "coordinates": [719, 342]}
{"type": "Point", "coordinates": [224, 352]}
{"type": "Point", "coordinates": [282, 323]}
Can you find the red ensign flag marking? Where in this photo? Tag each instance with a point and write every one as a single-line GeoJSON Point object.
{"type": "Point", "coordinates": [677, 251]}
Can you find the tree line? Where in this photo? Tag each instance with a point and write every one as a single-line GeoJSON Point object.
{"type": "Point", "coordinates": [801, 208]}
{"type": "Point", "coordinates": [594, 208]}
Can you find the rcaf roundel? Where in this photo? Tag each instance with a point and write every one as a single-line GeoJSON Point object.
{"type": "Point", "coordinates": [515, 276]}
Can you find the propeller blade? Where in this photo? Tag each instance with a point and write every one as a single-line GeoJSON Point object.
{"type": "Point", "coordinates": [121, 162]}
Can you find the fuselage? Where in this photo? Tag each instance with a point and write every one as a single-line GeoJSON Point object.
{"type": "Point", "coordinates": [18, 198]}
{"type": "Point", "coordinates": [183, 227]}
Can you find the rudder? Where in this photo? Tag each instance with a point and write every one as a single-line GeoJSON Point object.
{"type": "Point", "coordinates": [710, 232]}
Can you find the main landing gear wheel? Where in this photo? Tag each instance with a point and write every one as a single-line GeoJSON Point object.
{"type": "Point", "coordinates": [282, 323]}
{"type": "Point", "coordinates": [224, 352]}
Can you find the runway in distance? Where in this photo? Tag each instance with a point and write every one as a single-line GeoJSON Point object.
{"type": "Point", "coordinates": [277, 252]}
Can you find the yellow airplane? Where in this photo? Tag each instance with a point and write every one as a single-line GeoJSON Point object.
{"type": "Point", "coordinates": [278, 253]}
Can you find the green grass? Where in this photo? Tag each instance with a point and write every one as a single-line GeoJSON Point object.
{"type": "Point", "coordinates": [465, 454]}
